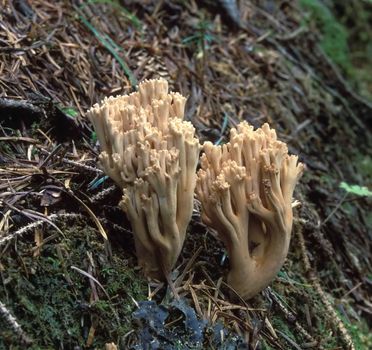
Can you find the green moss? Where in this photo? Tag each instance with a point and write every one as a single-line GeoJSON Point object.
{"type": "Point", "coordinates": [282, 326]}
{"type": "Point", "coordinates": [266, 346]}
{"type": "Point", "coordinates": [359, 332]}
{"type": "Point", "coordinates": [53, 303]}
{"type": "Point", "coordinates": [334, 34]}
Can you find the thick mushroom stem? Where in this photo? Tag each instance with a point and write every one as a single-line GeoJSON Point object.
{"type": "Point", "coordinates": [245, 188]}
{"type": "Point", "coordinates": [152, 154]}
{"type": "Point", "coordinates": [248, 274]}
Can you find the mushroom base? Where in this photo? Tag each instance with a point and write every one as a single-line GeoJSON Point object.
{"type": "Point", "coordinates": [250, 273]}
{"type": "Point", "coordinates": [157, 264]}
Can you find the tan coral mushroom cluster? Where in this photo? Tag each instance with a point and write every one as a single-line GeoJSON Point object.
{"type": "Point", "coordinates": [150, 152]}
{"type": "Point", "coordinates": [245, 188]}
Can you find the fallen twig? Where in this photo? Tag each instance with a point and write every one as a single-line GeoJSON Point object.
{"type": "Point", "coordinates": [19, 106]}
{"type": "Point", "coordinates": [14, 325]}
{"type": "Point", "coordinates": [331, 313]}
{"type": "Point", "coordinates": [37, 223]}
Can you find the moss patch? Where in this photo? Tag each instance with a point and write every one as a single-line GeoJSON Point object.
{"type": "Point", "coordinates": [55, 304]}
{"type": "Point", "coordinates": [334, 34]}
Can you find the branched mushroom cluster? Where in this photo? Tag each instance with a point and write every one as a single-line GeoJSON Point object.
{"type": "Point", "coordinates": [150, 152]}
{"type": "Point", "coordinates": [245, 188]}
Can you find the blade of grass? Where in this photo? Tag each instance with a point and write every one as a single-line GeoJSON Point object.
{"type": "Point", "coordinates": [127, 14]}
{"type": "Point", "coordinates": [223, 128]}
{"type": "Point", "coordinates": [68, 191]}
{"type": "Point", "coordinates": [92, 215]}
{"type": "Point", "coordinates": [109, 47]}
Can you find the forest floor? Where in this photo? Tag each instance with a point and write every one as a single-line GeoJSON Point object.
{"type": "Point", "coordinates": [63, 286]}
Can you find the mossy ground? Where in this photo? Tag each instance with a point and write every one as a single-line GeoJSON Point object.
{"type": "Point", "coordinates": [345, 37]}
{"type": "Point", "coordinates": [55, 303]}
{"type": "Point", "coordinates": [302, 300]}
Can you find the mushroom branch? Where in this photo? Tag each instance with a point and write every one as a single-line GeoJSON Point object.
{"type": "Point", "coordinates": [150, 152]}
{"type": "Point", "coordinates": [245, 188]}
